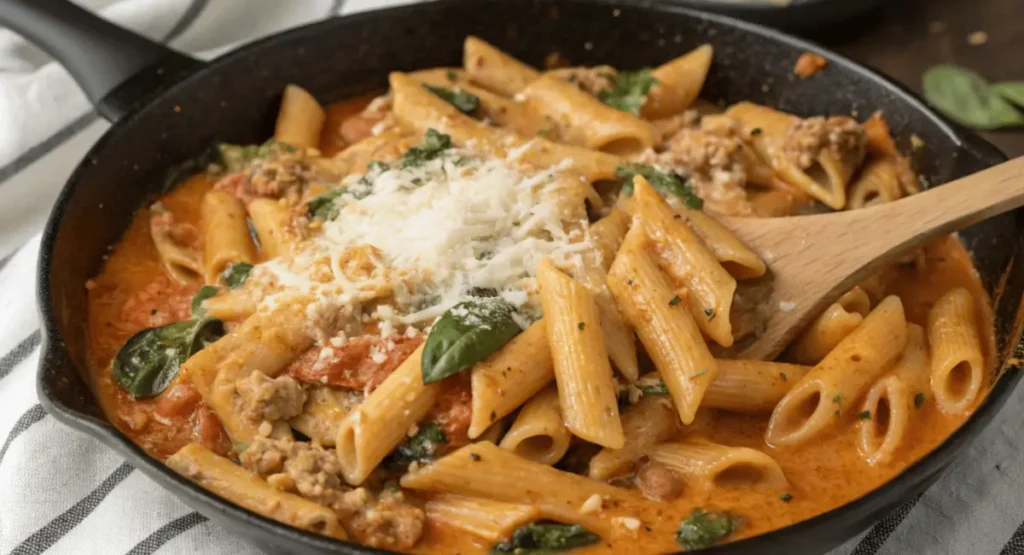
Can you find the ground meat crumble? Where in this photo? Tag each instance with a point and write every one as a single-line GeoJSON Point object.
{"type": "Point", "coordinates": [263, 398]}
{"type": "Point", "coordinates": [590, 79]}
{"type": "Point", "coordinates": [807, 138]}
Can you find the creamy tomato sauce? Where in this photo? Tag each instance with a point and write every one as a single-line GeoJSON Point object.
{"type": "Point", "coordinates": [132, 293]}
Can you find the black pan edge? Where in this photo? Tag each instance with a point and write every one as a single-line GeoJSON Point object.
{"type": "Point", "coordinates": [860, 513]}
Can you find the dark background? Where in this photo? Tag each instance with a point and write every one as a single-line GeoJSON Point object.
{"type": "Point", "coordinates": [905, 37]}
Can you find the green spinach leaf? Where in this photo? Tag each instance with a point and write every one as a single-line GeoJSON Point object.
{"type": "Point", "coordinates": [205, 292]}
{"type": "Point", "coordinates": [235, 274]}
{"type": "Point", "coordinates": [236, 158]}
{"type": "Point", "coordinates": [324, 207]}
{"type": "Point", "coordinates": [466, 334]}
{"type": "Point", "coordinates": [1012, 91]}
{"type": "Point", "coordinates": [433, 145]}
{"type": "Point", "coordinates": [654, 388]}
{"type": "Point", "coordinates": [704, 528]}
{"type": "Point", "coordinates": [544, 538]}
{"type": "Point", "coordinates": [465, 102]}
{"type": "Point", "coordinates": [965, 97]}
{"type": "Point", "coordinates": [423, 447]}
{"type": "Point", "coordinates": [150, 359]}
{"type": "Point", "coordinates": [629, 90]}
{"type": "Point", "coordinates": [663, 182]}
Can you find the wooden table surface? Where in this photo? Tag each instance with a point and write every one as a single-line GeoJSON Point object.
{"type": "Point", "coordinates": [905, 37]}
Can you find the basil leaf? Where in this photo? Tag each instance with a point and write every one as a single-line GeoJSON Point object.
{"type": "Point", "coordinates": [149, 361]}
{"type": "Point", "coordinates": [703, 529]}
{"type": "Point", "coordinates": [322, 206]}
{"type": "Point", "coordinates": [423, 447]}
{"type": "Point", "coordinates": [540, 538]}
{"type": "Point", "coordinates": [433, 145]}
{"type": "Point", "coordinates": [629, 90]}
{"type": "Point", "coordinates": [205, 292]}
{"type": "Point", "coordinates": [465, 102]}
{"type": "Point", "coordinates": [1011, 90]}
{"type": "Point", "coordinates": [235, 274]}
{"type": "Point", "coordinates": [466, 334]}
{"type": "Point", "coordinates": [965, 97]}
{"type": "Point", "coordinates": [663, 182]}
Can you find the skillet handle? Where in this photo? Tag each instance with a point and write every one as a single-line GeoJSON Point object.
{"type": "Point", "coordinates": [116, 68]}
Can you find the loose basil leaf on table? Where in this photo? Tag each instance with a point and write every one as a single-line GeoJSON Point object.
{"type": "Point", "coordinates": [149, 361]}
{"type": "Point", "coordinates": [545, 538]}
{"type": "Point", "coordinates": [1012, 91]}
{"type": "Point", "coordinates": [235, 274]}
{"type": "Point", "coordinates": [965, 97]}
{"type": "Point", "coordinates": [705, 528]}
{"type": "Point", "coordinates": [466, 334]}
{"type": "Point", "coordinates": [205, 292]}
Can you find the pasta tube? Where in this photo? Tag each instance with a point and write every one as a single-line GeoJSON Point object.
{"type": "Point", "coordinates": [272, 221]}
{"type": "Point", "coordinates": [828, 329]}
{"type": "Point", "coordinates": [651, 420]}
{"type": "Point", "coordinates": [495, 69]}
{"type": "Point", "coordinates": [819, 400]}
{"type": "Point", "coordinates": [751, 386]}
{"type": "Point", "coordinates": [538, 433]}
{"type": "Point", "coordinates": [225, 233]}
{"type": "Point", "coordinates": [485, 518]}
{"type": "Point", "coordinates": [958, 364]}
{"type": "Point", "coordinates": [586, 388]}
{"type": "Point", "coordinates": [706, 466]}
{"type": "Point", "coordinates": [299, 119]}
{"type": "Point", "coordinates": [679, 83]}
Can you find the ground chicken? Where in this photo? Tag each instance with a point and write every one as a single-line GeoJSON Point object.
{"type": "Point", "coordinates": [296, 466]}
{"type": "Point", "coordinates": [590, 79]}
{"type": "Point", "coordinates": [389, 521]}
{"type": "Point", "coordinates": [807, 138]}
{"type": "Point", "coordinates": [271, 399]}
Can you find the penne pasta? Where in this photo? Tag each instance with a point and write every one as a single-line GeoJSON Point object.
{"type": "Point", "coordinates": [180, 262]}
{"type": "Point", "coordinates": [735, 257]}
{"type": "Point", "coordinates": [819, 400]}
{"type": "Point", "coordinates": [495, 69]}
{"type": "Point", "coordinates": [706, 466]}
{"type": "Point", "coordinates": [651, 420]}
{"type": "Point", "coordinates": [751, 386]}
{"type": "Point", "coordinates": [893, 401]}
{"type": "Point", "coordinates": [500, 110]}
{"type": "Point", "coordinates": [607, 234]}
{"type": "Point", "coordinates": [505, 477]}
{"type": "Point", "coordinates": [504, 381]}
{"type": "Point", "coordinates": [829, 328]}
{"type": "Point", "coordinates": [225, 233]}
{"type": "Point", "coordinates": [958, 371]}
{"type": "Point", "coordinates": [538, 433]}
{"type": "Point", "coordinates": [484, 518]}
{"type": "Point", "coordinates": [322, 414]}
{"type": "Point", "coordinates": [877, 183]}
{"type": "Point", "coordinates": [583, 120]}
{"type": "Point", "coordinates": [688, 262]}
{"type": "Point", "coordinates": [236, 484]}
{"type": "Point", "coordinates": [231, 305]}
{"type": "Point", "coordinates": [679, 83]}
{"type": "Point", "coordinates": [667, 331]}
{"type": "Point", "coordinates": [586, 389]}
{"type": "Point", "coordinates": [374, 428]}
{"type": "Point", "coordinates": [300, 119]}
{"type": "Point", "coordinates": [272, 221]}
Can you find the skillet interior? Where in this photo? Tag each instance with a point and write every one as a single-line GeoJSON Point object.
{"type": "Point", "coordinates": [235, 99]}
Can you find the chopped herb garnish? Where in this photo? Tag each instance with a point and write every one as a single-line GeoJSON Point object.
{"type": "Point", "coordinates": [755, 131]}
{"type": "Point", "coordinates": [674, 301]}
{"type": "Point", "coordinates": [655, 388]}
{"type": "Point", "coordinates": [465, 102]}
{"type": "Point", "coordinates": [544, 133]}
{"type": "Point", "coordinates": [837, 413]}
{"type": "Point", "coordinates": [786, 497]}
{"type": "Point", "coordinates": [451, 75]}
{"type": "Point", "coordinates": [663, 182]}
{"type": "Point", "coordinates": [918, 400]}
{"type": "Point", "coordinates": [864, 415]}
{"type": "Point", "coordinates": [235, 274]}
{"type": "Point", "coordinates": [629, 90]}
{"type": "Point", "coordinates": [433, 145]}
{"type": "Point", "coordinates": [423, 447]}
{"type": "Point", "coordinates": [699, 374]}
{"type": "Point", "coordinates": [581, 326]}
{"type": "Point", "coordinates": [783, 376]}
{"type": "Point", "coordinates": [704, 529]}
{"type": "Point", "coordinates": [838, 399]}
{"type": "Point", "coordinates": [710, 313]}
{"type": "Point", "coordinates": [240, 446]}
{"type": "Point", "coordinates": [540, 538]}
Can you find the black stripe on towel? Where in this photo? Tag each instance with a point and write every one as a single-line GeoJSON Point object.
{"type": "Point", "coordinates": [19, 353]}
{"type": "Point", "coordinates": [875, 539]}
{"type": "Point", "coordinates": [166, 533]}
{"type": "Point", "coordinates": [1016, 544]}
{"type": "Point", "coordinates": [31, 416]}
{"type": "Point", "coordinates": [45, 537]}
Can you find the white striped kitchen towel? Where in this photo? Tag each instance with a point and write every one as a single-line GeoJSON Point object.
{"type": "Point", "coordinates": [63, 493]}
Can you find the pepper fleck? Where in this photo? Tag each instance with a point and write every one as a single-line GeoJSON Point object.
{"type": "Point", "coordinates": [786, 498]}
{"type": "Point", "coordinates": [475, 457]}
{"type": "Point", "coordinates": [675, 300]}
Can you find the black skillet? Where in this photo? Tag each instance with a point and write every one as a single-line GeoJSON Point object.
{"type": "Point", "coordinates": [168, 109]}
{"type": "Point", "coordinates": [794, 15]}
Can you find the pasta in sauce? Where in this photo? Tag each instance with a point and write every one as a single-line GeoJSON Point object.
{"type": "Point", "coordinates": [483, 311]}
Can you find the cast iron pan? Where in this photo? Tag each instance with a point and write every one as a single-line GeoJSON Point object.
{"type": "Point", "coordinates": [797, 15]}
{"type": "Point", "coordinates": [168, 109]}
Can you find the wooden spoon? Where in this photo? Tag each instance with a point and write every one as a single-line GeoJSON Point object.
{"type": "Point", "coordinates": [813, 260]}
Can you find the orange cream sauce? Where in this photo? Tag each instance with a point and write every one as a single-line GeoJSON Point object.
{"type": "Point", "coordinates": [133, 293]}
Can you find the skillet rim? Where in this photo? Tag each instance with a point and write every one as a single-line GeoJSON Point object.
{"type": "Point", "coordinates": [863, 511]}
